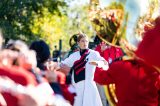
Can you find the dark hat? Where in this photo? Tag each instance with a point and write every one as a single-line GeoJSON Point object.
{"type": "Point", "coordinates": [42, 50]}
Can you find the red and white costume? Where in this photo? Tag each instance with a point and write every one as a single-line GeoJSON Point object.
{"type": "Point", "coordinates": [82, 77]}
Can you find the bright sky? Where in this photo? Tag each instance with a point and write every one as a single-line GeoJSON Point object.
{"type": "Point", "coordinates": [141, 5]}
{"type": "Point", "coordinates": [135, 9]}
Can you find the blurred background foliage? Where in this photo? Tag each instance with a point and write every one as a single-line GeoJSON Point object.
{"type": "Point", "coordinates": [50, 20]}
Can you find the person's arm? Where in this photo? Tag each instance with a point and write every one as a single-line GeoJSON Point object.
{"type": "Point", "coordinates": [65, 66]}
{"type": "Point", "coordinates": [99, 61]}
{"type": "Point", "coordinates": [102, 77]}
{"type": "Point", "coordinates": [106, 77]}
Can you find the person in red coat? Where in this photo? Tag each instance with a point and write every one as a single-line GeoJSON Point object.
{"type": "Point", "coordinates": [137, 80]}
{"type": "Point", "coordinates": [110, 54]}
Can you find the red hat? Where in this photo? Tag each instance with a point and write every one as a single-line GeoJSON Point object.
{"type": "Point", "coordinates": [149, 48]}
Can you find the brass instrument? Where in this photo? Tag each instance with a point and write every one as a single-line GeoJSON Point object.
{"type": "Point", "coordinates": [107, 23]}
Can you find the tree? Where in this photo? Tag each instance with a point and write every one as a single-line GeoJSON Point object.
{"type": "Point", "coordinates": [50, 20]}
{"type": "Point", "coordinates": [17, 16]}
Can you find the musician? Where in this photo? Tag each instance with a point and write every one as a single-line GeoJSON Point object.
{"type": "Point", "coordinates": [110, 54]}
{"type": "Point", "coordinates": [137, 80]}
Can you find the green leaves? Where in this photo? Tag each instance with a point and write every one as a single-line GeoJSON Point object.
{"type": "Point", "coordinates": [17, 17]}
{"type": "Point", "coordinates": [50, 20]}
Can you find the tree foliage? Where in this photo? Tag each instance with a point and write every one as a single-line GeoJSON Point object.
{"type": "Point", "coordinates": [50, 20]}
{"type": "Point", "coordinates": [79, 20]}
{"type": "Point", "coordinates": [17, 16]}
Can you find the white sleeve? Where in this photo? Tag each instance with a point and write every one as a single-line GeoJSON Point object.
{"type": "Point", "coordinates": [100, 62]}
{"type": "Point", "coordinates": [69, 61]}
{"type": "Point", "coordinates": [102, 65]}
{"type": "Point", "coordinates": [97, 56]}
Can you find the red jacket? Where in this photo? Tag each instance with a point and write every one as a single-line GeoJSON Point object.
{"type": "Point", "coordinates": [136, 83]}
{"type": "Point", "coordinates": [67, 94]}
{"type": "Point", "coordinates": [18, 75]}
{"type": "Point", "coordinates": [111, 52]}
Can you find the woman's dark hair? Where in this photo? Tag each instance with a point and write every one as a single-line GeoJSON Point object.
{"type": "Point", "coordinates": [73, 40]}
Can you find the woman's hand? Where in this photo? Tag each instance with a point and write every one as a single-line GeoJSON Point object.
{"type": "Point", "coordinates": [64, 68]}
{"type": "Point", "coordinates": [52, 66]}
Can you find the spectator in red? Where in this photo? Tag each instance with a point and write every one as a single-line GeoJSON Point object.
{"type": "Point", "coordinates": [110, 54]}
